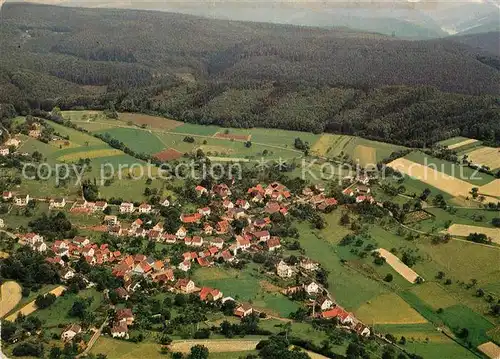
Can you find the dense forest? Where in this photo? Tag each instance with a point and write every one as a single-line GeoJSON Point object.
{"type": "Point", "coordinates": [248, 74]}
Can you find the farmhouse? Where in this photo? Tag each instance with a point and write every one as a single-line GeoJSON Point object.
{"type": "Point", "coordinates": [283, 270]}
{"type": "Point", "coordinates": [217, 242]}
{"type": "Point", "coordinates": [227, 256]}
{"type": "Point", "coordinates": [181, 233]}
{"type": "Point", "coordinates": [309, 265]}
{"type": "Point", "coordinates": [21, 201]}
{"type": "Point", "coordinates": [7, 195]}
{"type": "Point", "coordinates": [243, 310]}
{"type": "Point", "coordinates": [242, 242]}
{"type": "Point", "coordinates": [119, 331]}
{"type": "Point", "coordinates": [339, 313]}
{"type": "Point", "coordinates": [262, 236]}
{"type": "Point", "coordinates": [362, 330]}
{"type": "Point", "coordinates": [210, 295]}
{"type": "Point", "coordinates": [125, 315]}
{"type": "Point", "coordinates": [324, 303]}
{"type": "Point", "coordinates": [145, 208]}
{"type": "Point", "coordinates": [57, 203]}
{"type": "Point", "coordinates": [185, 285]}
{"type": "Point", "coordinates": [184, 266]}
{"type": "Point", "coordinates": [197, 241]}
{"type": "Point", "coordinates": [165, 203]}
{"type": "Point", "coordinates": [70, 332]}
{"type": "Point", "coordinates": [200, 190]}
{"type": "Point", "coordinates": [311, 288]}
{"type": "Point", "coordinates": [273, 244]}
{"type": "Point", "coordinates": [100, 206]}
{"type": "Point", "coordinates": [191, 218]}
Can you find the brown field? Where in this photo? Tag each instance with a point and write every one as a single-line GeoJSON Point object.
{"type": "Point", "coordinates": [230, 136]}
{"type": "Point", "coordinates": [366, 155]}
{"type": "Point", "coordinates": [151, 121]}
{"type": "Point", "coordinates": [409, 274]}
{"type": "Point", "coordinates": [490, 349]}
{"type": "Point", "coordinates": [463, 143]}
{"type": "Point", "coordinates": [430, 176]}
{"type": "Point", "coordinates": [168, 155]}
{"type": "Point", "coordinates": [463, 230]}
{"type": "Point", "coordinates": [31, 306]}
{"type": "Point", "coordinates": [488, 156]}
{"type": "Point", "coordinates": [321, 146]}
{"type": "Point", "coordinates": [219, 149]}
{"type": "Point", "coordinates": [90, 154]}
{"type": "Point", "coordinates": [491, 189]}
{"type": "Point", "coordinates": [215, 346]}
{"type": "Point", "coordinates": [10, 295]}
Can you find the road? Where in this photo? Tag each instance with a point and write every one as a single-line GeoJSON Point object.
{"type": "Point", "coordinates": [94, 338]}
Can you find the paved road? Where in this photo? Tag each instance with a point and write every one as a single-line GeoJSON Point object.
{"type": "Point", "coordinates": [94, 338]}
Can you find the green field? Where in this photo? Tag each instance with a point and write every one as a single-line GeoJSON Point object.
{"type": "Point", "coordinates": [138, 141]}
{"type": "Point", "coordinates": [194, 129]}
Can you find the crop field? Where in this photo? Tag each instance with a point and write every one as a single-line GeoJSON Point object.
{"type": "Point", "coordinates": [155, 122]}
{"type": "Point", "coordinates": [486, 156]}
{"type": "Point", "coordinates": [490, 349]}
{"type": "Point", "coordinates": [31, 307]}
{"type": "Point", "coordinates": [463, 173]}
{"type": "Point", "coordinates": [10, 295]}
{"type": "Point", "coordinates": [388, 309]}
{"type": "Point", "coordinates": [73, 157]}
{"type": "Point", "coordinates": [453, 141]}
{"type": "Point", "coordinates": [199, 130]}
{"type": "Point", "coordinates": [365, 155]}
{"type": "Point", "coordinates": [138, 141]}
{"type": "Point", "coordinates": [491, 189]}
{"type": "Point", "coordinates": [430, 176]}
{"type": "Point", "coordinates": [168, 155]}
{"type": "Point", "coordinates": [230, 136]}
{"type": "Point", "coordinates": [406, 272]}
{"type": "Point", "coordinates": [463, 230]}
{"type": "Point", "coordinates": [434, 295]}
{"type": "Point", "coordinates": [462, 143]}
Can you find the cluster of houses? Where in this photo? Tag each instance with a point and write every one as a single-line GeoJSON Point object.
{"type": "Point", "coordinates": [316, 197]}
{"type": "Point", "coordinates": [12, 142]}
{"type": "Point", "coordinates": [85, 207]}
{"type": "Point", "coordinates": [34, 241]}
{"type": "Point", "coordinates": [20, 200]}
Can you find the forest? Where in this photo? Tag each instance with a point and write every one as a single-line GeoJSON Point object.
{"type": "Point", "coordinates": [248, 74]}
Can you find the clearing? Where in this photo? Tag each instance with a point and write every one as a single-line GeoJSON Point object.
{"type": "Point", "coordinates": [430, 176]}
{"type": "Point", "coordinates": [388, 309]}
{"type": "Point", "coordinates": [31, 306]}
{"type": "Point", "coordinates": [10, 295]}
{"type": "Point", "coordinates": [409, 274]}
{"type": "Point", "coordinates": [486, 156]}
{"type": "Point", "coordinates": [463, 230]}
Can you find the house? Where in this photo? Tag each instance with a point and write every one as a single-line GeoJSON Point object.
{"type": "Point", "coordinates": [222, 227]}
{"type": "Point", "coordinates": [145, 208]}
{"type": "Point", "coordinates": [100, 206]}
{"type": "Point", "coordinates": [67, 273]}
{"type": "Point", "coordinates": [164, 276]}
{"type": "Point", "coordinates": [227, 204]}
{"type": "Point", "coordinates": [210, 295]}
{"type": "Point", "coordinates": [203, 262]}
{"type": "Point", "coordinates": [204, 211]}
{"type": "Point", "coordinates": [208, 229]}
{"type": "Point", "coordinates": [242, 242]}
{"type": "Point", "coordinates": [273, 244]}
{"type": "Point", "coordinates": [57, 203]}
{"type": "Point", "coordinates": [362, 189]}
{"type": "Point", "coordinates": [32, 238]}
{"type": "Point", "coordinates": [360, 199]}
{"type": "Point", "coordinates": [362, 330]}
{"type": "Point", "coordinates": [311, 288]}
{"type": "Point", "coordinates": [15, 142]}
{"type": "Point", "coordinates": [154, 235]}
{"type": "Point", "coordinates": [200, 190]}
{"type": "Point", "coordinates": [122, 293]}
{"type": "Point", "coordinates": [197, 241]}
{"type": "Point", "coordinates": [126, 207]}
{"type": "Point", "coordinates": [125, 315]}
{"type": "Point", "coordinates": [309, 265]}
{"type": "Point", "coordinates": [21, 200]}
{"type": "Point", "coordinates": [243, 203]}
{"type": "Point", "coordinates": [262, 236]}
{"type": "Point", "coordinates": [185, 285]}
{"type": "Point", "coordinates": [272, 207]}
{"type": "Point", "coordinates": [283, 270]}
{"type": "Point", "coordinates": [184, 266]}
{"type": "Point", "coordinates": [119, 331]}
{"type": "Point", "coordinates": [217, 242]}
{"type": "Point", "coordinates": [7, 195]}
{"type": "Point", "coordinates": [324, 303]}
{"type": "Point", "coordinates": [165, 203]}
{"type": "Point", "coordinates": [227, 256]}
{"type": "Point", "coordinates": [2, 223]}
{"type": "Point", "coordinates": [243, 310]}
{"type": "Point", "coordinates": [111, 220]}
{"type": "Point", "coordinates": [39, 247]}
{"type": "Point", "coordinates": [221, 190]}
{"type": "Point", "coordinates": [70, 332]}
{"type": "Point", "coordinates": [238, 213]}
{"type": "Point", "coordinates": [169, 238]}
{"type": "Point", "coordinates": [181, 233]}
{"type": "Point", "coordinates": [191, 218]}
{"type": "Point", "coordinates": [339, 313]}
{"type": "Point", "coordinates": [4, 151]}
{"type": "Point", "coordinates": [348, 192]}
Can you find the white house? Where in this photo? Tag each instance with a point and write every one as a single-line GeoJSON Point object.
{"type": "Point", "coordinates": [165, 203]}
{"type": "Point", "coordinates": [70, 332]}
{"type": "Point", "coordinates": [283, 270]}
{"type": "Point", "coordinates": [184, 266]}
{"type": "Point", "coordinates": [57, 203]}
{"type": "Point", "coordinates": [4, 150]}
{"type": "Point", "coordinates": [308, 264]}
{"type": "Point", "coordinates": [39, 247]}
{"type": "Point", "coordinates": [181, 233]}
{"type": "Point", "coordinates": [21, 200]}
{"type": "Point", "coordinates": [2, 223]}
{"type": "Point", "coordinates": [325, 303]}
{"type": "Point", "coordinates": [120, 331]}
{"type": "Point", "coordinates": [145, 208]}
{"type": "Point", "coordinates": [67, 273]}
{"type": "Point", "coordinates": [311, 288]}
{"type": "Point", "coordinates": [126, 207]}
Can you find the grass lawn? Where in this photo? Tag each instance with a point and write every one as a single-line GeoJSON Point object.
{"type": "Point", "coordinates": [119, 349]}
{"type": "Point", "coordinates": [461, 172]}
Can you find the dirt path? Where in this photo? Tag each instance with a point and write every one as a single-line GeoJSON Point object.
{"type": "Point", "coordinates": [214, 346]}
{"type": "Point", "coordinates": [31, 306]}
{"type": "Point", "coordinates": [10, 295]}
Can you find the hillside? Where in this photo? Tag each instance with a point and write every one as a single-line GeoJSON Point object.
{"type": "Point", "coordinates": [246, 74]}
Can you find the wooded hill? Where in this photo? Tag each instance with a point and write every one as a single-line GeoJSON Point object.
{"type": "Point", "coordinates": [247, 74]}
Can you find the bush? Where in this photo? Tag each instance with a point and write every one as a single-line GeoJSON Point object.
{"type": "Point", "coordinates": [388, 278]}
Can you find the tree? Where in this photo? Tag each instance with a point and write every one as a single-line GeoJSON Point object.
{"type": "Point", "coordinates": [496, 222]}
{"type": "Point", "coordinates": [388, 278]}
{"type": "Point", "coordinates": [198, 352]}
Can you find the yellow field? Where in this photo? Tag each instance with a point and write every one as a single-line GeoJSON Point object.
{"type": "Point", "coordinates": [463, 230]}
{"type": "Point", "coordinates": [321, 146]}
{"type": "Point", "coordinates": [463, 143]}
{"type": "Point", "coordinates": [434, 295]}
{"type": "Point", "coordinates": [31, 306]}
{"type": "Point", "coordinates": [442, 181]}
{"type": "Point", "coordinates": [366, 155]}
{"type": "Point", "coordinates": [10, 295]}
{"type": "Point", "coordinates": [330, 145]}
{"type": "Point", "coordinates": [488, 156]}
{"type": "Point", "coordinates": [491, 189]}
{"type": "Point", "coordinates": [220, 149]}
{"type": "Point", "coordinates": [215, 346]}
{"type": "Point", "coordinates": [406, 272]}
{"type": "Point", "coordinates": [90, 154]}
{"type": "Point", "coordinates": [388, 309]}
{"type": "Point", "coordinates": [490, 349]}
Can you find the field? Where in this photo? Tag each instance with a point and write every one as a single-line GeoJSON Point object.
{"type": "Point", "coordinates": [73, 157]}
{"type": "Point", "coordinates": [453, 141]}
{"type": "Point", "coordinates": [215, 346]}
{"type": "Point", "coordinates": [168, 155]}
{"type": "Point", "coordinates": [491, 189]}
{"type": "Point", "coordinates": [486, 156]}
{"type": "Point", "coordinates": [10, 295]}
{"type": "Point", "coordinates": [462, 143]}
{"type": "Point", "coordinates": [491, 350]}
{"type": "Point", "coordinates": [463, 230]}
{"type": "Point", "coordinates": [388, 309]}
{"type": "Point", "coordinates": [434, 295]}
{"type": "Point", "coordinates": [406, 272]}
{"type": "Point", "coordinates": [427, 175]}
{"type": "Point", "coordinates": [150, 121]}
{"type": "Point", "coordinates": [139, 141]}
{"type": "Point", "coordinates": [31, 307]}
{"type": "Point", "coordinates": [230, 136]}
{"type": "Point", "coordinates": [366, 155]}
